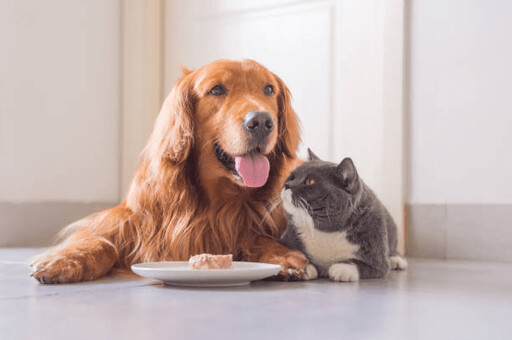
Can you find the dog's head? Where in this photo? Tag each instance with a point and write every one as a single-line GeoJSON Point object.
{"type": "Point", "coordinates": [235, 116]}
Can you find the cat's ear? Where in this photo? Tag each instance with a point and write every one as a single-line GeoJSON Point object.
{"type": "Point", "coordinates": [347, 173]}
{"type": "Point", "coordinates": [312, 156]}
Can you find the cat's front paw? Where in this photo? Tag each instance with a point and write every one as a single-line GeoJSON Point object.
{"type": "Point", "coordinates": [397, 262]}
{"type": "Point", "coordinates": [310, 273]}
{"type": "Point", "coordinates": [346, 272]}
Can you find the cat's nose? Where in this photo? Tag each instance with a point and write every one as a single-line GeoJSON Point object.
{"type": "Point", "coordinates": [286, 186]}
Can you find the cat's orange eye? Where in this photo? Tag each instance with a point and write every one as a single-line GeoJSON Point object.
{"type": "Point", "coordinates": [309, 181]}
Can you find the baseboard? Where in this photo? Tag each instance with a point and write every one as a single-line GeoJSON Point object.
{"type": "Point", "coordinates": [36, 224]}
{"type": "Point", "coordinates": [443, 231]}
{"type": "Point", "coordinates": [481, 232]}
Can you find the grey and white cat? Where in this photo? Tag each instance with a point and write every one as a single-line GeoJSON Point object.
{"type": "Point", "coordinates": [338, 223]}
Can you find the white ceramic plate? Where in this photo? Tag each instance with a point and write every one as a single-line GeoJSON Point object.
{"type": "Point", "coordinates": [177, 273]}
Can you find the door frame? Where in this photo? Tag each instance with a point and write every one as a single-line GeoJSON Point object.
{"type": "Point", "coordinates": [152, 34]}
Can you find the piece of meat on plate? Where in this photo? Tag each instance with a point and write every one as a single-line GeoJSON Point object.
{"type": "Point", "coordinates": [209, 261]}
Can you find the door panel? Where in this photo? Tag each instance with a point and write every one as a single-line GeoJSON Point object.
{"type": "Point", "coordinates": [271, 37]}
{"type": "Point", "coordinates": [341, 59]}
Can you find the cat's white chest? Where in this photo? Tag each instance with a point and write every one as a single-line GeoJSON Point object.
{"type": "Point", "coordinates": [324, 248]}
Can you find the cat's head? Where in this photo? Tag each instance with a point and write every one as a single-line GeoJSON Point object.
{"type": "Point", "coordinates": [323, 189]}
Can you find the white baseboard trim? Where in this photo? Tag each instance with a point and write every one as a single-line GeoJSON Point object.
{"type": "Point", "coordinates": [442, 231]}
{"type": "Point", "coordinates": [35, 224]}
{"type": "Point", "coordinates": [478, 232]}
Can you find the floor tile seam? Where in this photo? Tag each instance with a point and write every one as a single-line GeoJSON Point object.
{"type": "Point", "coordinates": [78, 291]}
{"type": "Point", "coordinates": [25, 263]}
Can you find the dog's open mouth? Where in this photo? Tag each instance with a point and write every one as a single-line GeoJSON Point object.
{"type": "Point", "coordinates": [253, 168]}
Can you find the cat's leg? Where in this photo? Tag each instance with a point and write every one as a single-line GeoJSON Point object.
{"type": "Point", "coordinates": [344, 272]}
{"type": "Point", "coordinates": [354, 270]}
{"type": "Point", "coordinates": [291, 240]}
{"type": "Point", "coordinates": [375, 270]}
{"type": "Point", "coordinates": [397, 262]}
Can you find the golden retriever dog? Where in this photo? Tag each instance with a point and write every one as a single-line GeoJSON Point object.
{"type": "Point", "coordinates": [208, 181]}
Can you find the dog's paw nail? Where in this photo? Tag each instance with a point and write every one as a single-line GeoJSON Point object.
{"type": "Point", "coordinates": [295, 274]}
{"type": "Point", "coordinates": [35, 272]}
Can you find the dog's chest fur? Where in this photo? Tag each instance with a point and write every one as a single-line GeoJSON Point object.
{"type": "Point", "coordinates": [324, 248]}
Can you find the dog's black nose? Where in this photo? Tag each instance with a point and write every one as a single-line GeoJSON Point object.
{"type": "Point", "coordinates": [258, 123]}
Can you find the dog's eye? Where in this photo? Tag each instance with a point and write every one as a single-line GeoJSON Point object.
{"type": "Point", "coordinates": [268, 90]}
{"type": "Point", "coordinates": [309, 181]}
{"type": "Point", "coordinates": [218, 90]}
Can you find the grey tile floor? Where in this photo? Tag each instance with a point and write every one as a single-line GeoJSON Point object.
{"type": "Point", "coordinates": [434, 299]}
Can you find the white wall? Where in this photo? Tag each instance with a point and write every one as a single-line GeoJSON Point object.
{"type": "Point", "coordinates": [461, 102]}
{"type": "Point", "coordinates": [59, 100]}
{"type": "Point", "coordinates": [142, 80]}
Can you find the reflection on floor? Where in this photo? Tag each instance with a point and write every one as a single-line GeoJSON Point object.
{"type": "Point", "coordinates": [432, 300]}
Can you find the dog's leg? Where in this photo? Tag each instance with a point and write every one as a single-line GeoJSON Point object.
{"type": "Point", "coordinates": [293, 262]}
{"type": "Point", "coordinates": [86, 260]}
{"type": "Point", "coordinates": [87, 254]}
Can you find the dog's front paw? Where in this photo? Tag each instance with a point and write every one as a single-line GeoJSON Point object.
{"type": "Point", "coordinates": [293, 264]}
{"type": "Point", "coordinates": [346, 272]}
{"type": "Point", "coordinates": [57, 268]}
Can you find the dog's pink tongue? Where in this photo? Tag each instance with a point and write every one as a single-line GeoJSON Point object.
{"type": "Point", "coordinates": [254, 170]}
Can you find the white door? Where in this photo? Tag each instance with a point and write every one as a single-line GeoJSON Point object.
{"type": "Point", "coordinates": [342, 61]}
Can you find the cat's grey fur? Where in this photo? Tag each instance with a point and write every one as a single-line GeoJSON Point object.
{"type": "Point", "coordinates": [338, 222]}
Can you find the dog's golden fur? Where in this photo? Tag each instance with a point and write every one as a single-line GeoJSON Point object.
{"type": "Point", "coordinates": [182, 200]}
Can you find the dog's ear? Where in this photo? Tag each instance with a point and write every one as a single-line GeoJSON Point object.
{"type": "Point", "coordinates": [185, 71]}
{"type": "Point", "coordinates": [289, 130]}
{"type": "Point", "coordinates": [173, 135]}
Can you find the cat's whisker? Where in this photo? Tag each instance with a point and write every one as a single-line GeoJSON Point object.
{"type": "Point", "coordinates": [305, 206]}
{"type": "Point", "coordinates": [275, 204]}
{"type": "Point", "coordinates": [310, 211]}
{"type": "Point", "coordinates": [328, 215]}
{"type": "Point", "coordinates": [268, 213]}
